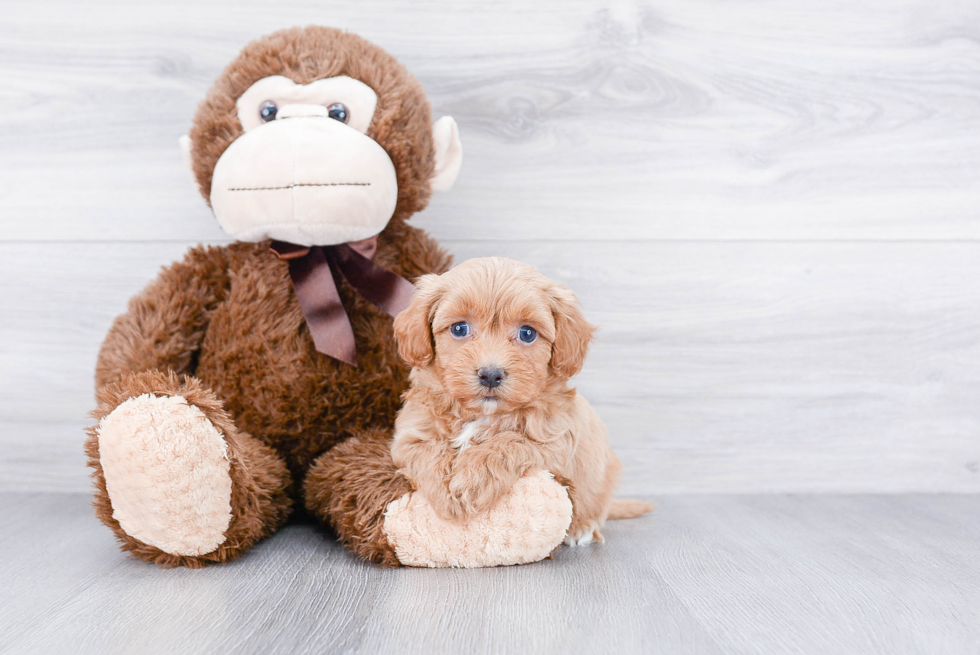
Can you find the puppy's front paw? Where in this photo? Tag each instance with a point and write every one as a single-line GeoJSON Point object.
{"type": "Point", "coordinates": [443, 503]}
{"type": "Point", "coordinates": [474, 492]}
{"type": "Point", "coordinates": [479, 480]}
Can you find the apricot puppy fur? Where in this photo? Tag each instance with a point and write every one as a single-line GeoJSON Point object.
{"type": "Point", "coordinates": [493, 344]}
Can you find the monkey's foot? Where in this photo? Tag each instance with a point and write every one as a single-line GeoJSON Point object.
{"type": "Point", "coordinates": [167, 474]}
{"type": "Point", "coordinates": [525, 525]}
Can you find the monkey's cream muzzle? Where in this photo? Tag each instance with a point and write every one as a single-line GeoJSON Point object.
{"type": "Point", "coordinates": [306, 179]}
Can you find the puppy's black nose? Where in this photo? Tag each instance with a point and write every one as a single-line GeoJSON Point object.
{"type": "Point", "coordinates": [491, 376]}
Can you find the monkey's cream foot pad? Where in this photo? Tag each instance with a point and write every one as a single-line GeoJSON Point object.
{"type": "Point", "coordinates": [525, 525]}
{"type": "Point", "coordinates": [167, 474]}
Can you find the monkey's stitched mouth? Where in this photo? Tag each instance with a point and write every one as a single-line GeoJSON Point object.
{"type": "Point", "coordinates": [300, 184]}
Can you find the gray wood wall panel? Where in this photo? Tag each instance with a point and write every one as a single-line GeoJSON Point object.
{"type": "Point", "coordinates": [772, 209]}
{"type": "Point", "coordinates": [697, 120]}
{"type": "Point", "coordinates": [770, 366]}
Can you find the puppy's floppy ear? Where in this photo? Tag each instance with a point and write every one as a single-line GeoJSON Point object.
{"type": "Point", "coordinates": [572, 333]}
{"type": "Point", "coordinates": [413, 327]}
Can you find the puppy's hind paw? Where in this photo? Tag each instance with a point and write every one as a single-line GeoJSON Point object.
{"type": "Point", "coordinates": [588, 535]}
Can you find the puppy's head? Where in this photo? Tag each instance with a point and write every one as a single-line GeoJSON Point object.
{"type": "Point", "coordinates": [495, 332]}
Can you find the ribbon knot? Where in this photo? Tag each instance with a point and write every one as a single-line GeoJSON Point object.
{"type": "Point", "coordinates": [314, 272]}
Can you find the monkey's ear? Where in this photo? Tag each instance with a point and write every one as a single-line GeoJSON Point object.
{"type": "Point", "coordinates": [413, 327]}
{"type": "Point", "coordinates": [572, 333]}
{"type": "Point", "coordinates": [185, 147]}
{"type": "Point", "coordinates": [449, 153]}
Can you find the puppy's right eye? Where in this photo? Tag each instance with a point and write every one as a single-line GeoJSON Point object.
{"type": "Point", "coordinates": [460, 330]}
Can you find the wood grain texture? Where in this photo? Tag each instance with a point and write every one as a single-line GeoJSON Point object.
{"type": "Point", "coordinates": [770, 208]}
{"type": "Point", "coordinates": [689, 120]}
{"type": "Point", "coordinates": [773, 366]}
{"type": "Point", "coordinates": [702, 574]}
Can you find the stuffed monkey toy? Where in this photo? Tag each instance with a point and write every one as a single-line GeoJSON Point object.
{"type": "Point", "coordinates": [257, 377]}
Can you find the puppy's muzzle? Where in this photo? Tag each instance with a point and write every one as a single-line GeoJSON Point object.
{"type": "Point", "coordinates": [491, 376]}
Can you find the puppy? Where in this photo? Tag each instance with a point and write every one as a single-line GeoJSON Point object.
{"type": "Point", "coordinates": [492, 344]}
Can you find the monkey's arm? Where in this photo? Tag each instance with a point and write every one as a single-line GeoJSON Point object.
{"type": "Point", "coordinates": [166, 322]}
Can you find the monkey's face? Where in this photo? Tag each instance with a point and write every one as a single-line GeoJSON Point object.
{"type": "Point", "coordinates": [316, 137]}
{"type": "Point", "coordinates": [305, 170]}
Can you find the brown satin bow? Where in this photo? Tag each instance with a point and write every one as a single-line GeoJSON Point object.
{"type": "Point", "coordinates": [314, 270]}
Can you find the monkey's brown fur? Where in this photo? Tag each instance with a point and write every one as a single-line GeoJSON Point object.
{"type": "Point", "coordinates": [223, 328]}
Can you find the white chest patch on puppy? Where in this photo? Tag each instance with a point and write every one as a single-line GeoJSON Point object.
{"type": "Point", "coordinates": [462, 440]}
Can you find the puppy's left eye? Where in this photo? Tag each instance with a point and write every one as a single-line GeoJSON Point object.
{"type": "Point", "coordinates": [527, 334]}
{"type": "Point", "coordinates": [460, 330]}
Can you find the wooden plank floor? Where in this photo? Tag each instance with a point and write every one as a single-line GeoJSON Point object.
{"type": "Point", "coordinates": [703, 574]}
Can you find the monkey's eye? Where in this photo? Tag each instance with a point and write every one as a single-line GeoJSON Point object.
{"type": "Point", "coordinates": [267, 111]}
{"type": "Point", "coordinates": [527, 334]}
{"type": "Point", "coordinates": [460, 330]}
{"type": "Point", "coordinates": [338, 112]}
